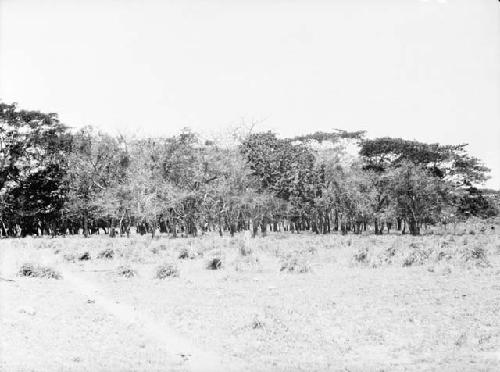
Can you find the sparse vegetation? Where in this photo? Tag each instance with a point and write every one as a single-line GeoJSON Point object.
{"type": "Point", "coordinates": [295, 264]}
{"type": "Point", "coordinates": [107, 253]}
{"type": "Point", "coordinates": [360, 255]}
{"type": "Point", "coordinates": [354, 277]}
{"type": "Point", "coordinates": [30, 270]}
{"type": "Point", "coordinates": [166, 270]}
{"type": "Point", "coordinates": [186, 253]}
{"type": "Point", "coordinates": [126, 271]}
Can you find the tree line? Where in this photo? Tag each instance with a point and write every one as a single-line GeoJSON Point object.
{"type": "Point", "coordinates": [55, 180]}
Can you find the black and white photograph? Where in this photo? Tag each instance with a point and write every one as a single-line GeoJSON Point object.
{"type": "Point", "coordinates": [249, 185]}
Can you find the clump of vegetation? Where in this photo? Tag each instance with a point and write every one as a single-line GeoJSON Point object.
{"type": "Point", "coordinates": [244, 248]}
{"type": "Point", "coordinates": [166, 270]}
{"type": "Point", "coordinates": [69, 257]}
{"type": "Point", "coordinates": [445, 244]}
{"type": "Point", "coordinates": [442, 255]}
{"type": "Point", "coordinates": [107, 253]}
{"type": "Point", "coordinates": [214, 263]}
{"type": "Point", "coordinates": [186, 253]}
{"type": "Point", "coordinates": [85, 256]}
{"type": "Point", "coordinates": [386, 256]}
{"type": "Point", "coordinates": [295, 265]}
{"type": "Point", "coordinates": [415, 256]}
{"type": "Point", "coordinates": [360, 255]}
{"type": "Point", "coordinates": [126, 271]}
{"type": "Point", "coordinates": [476, 254]}
{"type": "Point", "coordinates": [155, 250]}
{"type": "Point", "coordinates": [247, 263]}
{"type": "Point", "coordinates": [257, 323]}
{"type": "Point", "coordinates": [30, 270]}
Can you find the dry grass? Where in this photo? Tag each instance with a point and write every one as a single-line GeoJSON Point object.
{"type": "Point", "coordinates": [126, 271]}
{"type": "Point", "coordinates": [387, 302]}
{"type": "Point", "coordinates": [166, 270]}
{"type": "Point", "coordinates": [30, 270]}
{"type": "Point", "coordinates": [107, 253]}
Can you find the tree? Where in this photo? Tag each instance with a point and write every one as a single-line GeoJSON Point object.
{"type": "Point", "coordinates": [95, 163]}
{"type": "Point", "coordinates": [33, 146]}
{"type": "Point", "coordinates": [419, 195]}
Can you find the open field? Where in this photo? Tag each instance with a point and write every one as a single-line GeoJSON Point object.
{"type": "Point", "coordinates": [285, 302]}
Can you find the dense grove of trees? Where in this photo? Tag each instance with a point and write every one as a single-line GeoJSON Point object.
{"type": "Point", "coordinates": [54, 180]}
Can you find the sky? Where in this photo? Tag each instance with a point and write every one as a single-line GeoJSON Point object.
{"type": "Point", "coordinates": [426, 70]}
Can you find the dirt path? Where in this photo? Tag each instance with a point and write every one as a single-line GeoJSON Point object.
{"type": "Point", "coordinates": [27, 317]}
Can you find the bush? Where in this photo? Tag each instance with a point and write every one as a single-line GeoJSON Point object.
{"type": "Point", "coordinates": [166, 270]}
{"type": "Point", "coordinates": [386, 256]}
{"type": "Point", "coordinates": [257, 323]}
{"type": "Point", "coordinates": [108, 253]}
{"type": "Point", "coordinates": [443, 256]}
{"type": "Point", "coordinates": [248, 263]}
{"type": "Point", "coordinates": [214, 263]}
{"type": "Point", "coordinates": [69, 257]}
{"type": "Point", "coordinates": [476, 254]}
{"type": "Point", "coordinates": [38, 271]}
{"type": "Point", "coordinates": [295, 265]}
{"type": "Point", "coordinates": [360, 255]}
{"type": "Point", "coordinates": [84, 256]}
{"type": "Point", "coordinates": [126, 271]}
{"type": "Point", "coordinates": [415, 256]}
{"type": "Point", "coordinates": [186, 253]}
{"type": "Point", "coordinates": [244, 248]}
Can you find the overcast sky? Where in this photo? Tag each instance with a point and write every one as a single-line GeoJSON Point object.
{"type": "Point", "coordinates": [425, 70]}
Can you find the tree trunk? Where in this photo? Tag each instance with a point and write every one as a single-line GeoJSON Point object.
{"type": "Point", "coordinates": [85, 224]}
{"type": "Point", "coordinates": [263, 228]}
{"type": "Point", "coordinates": [414, 227]}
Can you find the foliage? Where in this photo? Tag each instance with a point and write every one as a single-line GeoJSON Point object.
{"type": "Point", "coordinates": [54, 180]}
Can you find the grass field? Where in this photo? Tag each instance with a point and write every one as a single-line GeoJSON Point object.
{"type": "Point", "coordinates": [285, 302]}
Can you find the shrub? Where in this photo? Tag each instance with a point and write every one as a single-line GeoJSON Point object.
{"type": "Point", "coordinates": [295, 265]}
{"type": "Point", "coordinates": [360, 255]}
{"type": "Point", "coordinates": [38, 271]}
{"type": "Point", "coordinates": [415, 257]}
{"type": "Point", "coordinates": [445, 244]}
{"type": "Point", "coordinates": [69, 257]}
{"type": "Point", "coordinates": [386, 256]}
{"type": "Point", "coordinates": [244, 248]}
{"type": "Point", "coordinates": [443, 256]}
{"type": "Point", "coordinates": [84, 256]}
{"type": "Point", "coordinates": [186, 253]}
{"type": "Point", "coordinates": [214, 263]}
{"type": "Point", "coordinates": [126, 271]}
{"type": "Point", "coordinates": [476, 254]}
{"type": "Point", "coordinates": [166, 270]}
{"type": "Point", "coordinates": [107, 253]}
{"type": "Point", "coordinates": [248, 263]}
{"type": "Point", "coordinates": [257, 323]}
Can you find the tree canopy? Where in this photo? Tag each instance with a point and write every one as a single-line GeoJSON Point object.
{"type": "Point", "coordinates": [57, 180]}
